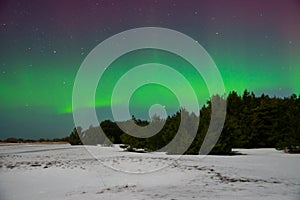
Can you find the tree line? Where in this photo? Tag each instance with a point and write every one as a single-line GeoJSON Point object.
{"type": "Point", "coordinates": [41, 140]}
{"type": "Point", "coordinates": [251, 122]}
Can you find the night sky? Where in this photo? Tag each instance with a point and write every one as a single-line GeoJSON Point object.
{"type": "Point", "coordinates": [255, 44]}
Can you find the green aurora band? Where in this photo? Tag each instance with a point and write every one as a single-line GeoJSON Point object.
{"type": "Point", "coordinates": [37, 88]}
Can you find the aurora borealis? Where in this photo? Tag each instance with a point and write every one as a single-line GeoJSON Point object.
{"type": "Point", "coordinates": [255, 44]}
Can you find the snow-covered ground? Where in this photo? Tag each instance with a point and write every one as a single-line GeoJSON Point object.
{"type": "Point", "coordinates": [94, 172]}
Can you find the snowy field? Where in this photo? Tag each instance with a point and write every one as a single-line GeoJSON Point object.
{"type": "Point", "coordinates": [62, 171]}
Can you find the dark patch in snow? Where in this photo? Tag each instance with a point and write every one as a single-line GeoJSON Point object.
{"type": "Point", "coordinates": [117, 189]}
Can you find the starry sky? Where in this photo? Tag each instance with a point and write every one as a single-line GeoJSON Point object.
{"type": "Point", "coordinates": [255, 44]}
